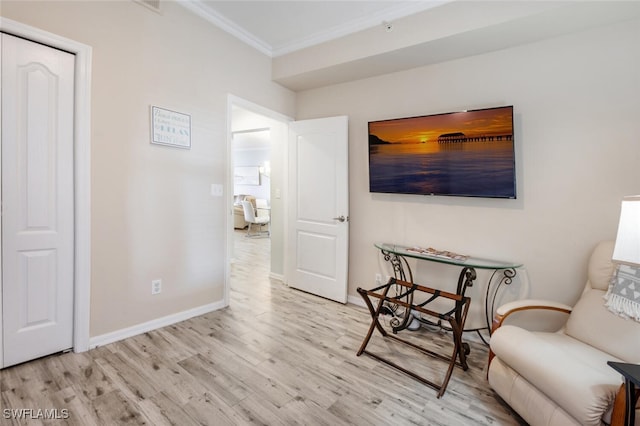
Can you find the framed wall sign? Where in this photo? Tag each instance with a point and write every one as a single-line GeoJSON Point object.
{"type": "Point", "coordinates": [246, 175]}
{"type": "Point", "coordinates": [170, 128]}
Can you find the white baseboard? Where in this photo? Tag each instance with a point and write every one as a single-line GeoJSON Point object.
{"type": "Point", "coordinates": [124, 333]}
{"type": "Point", "coordinates": [356, 300]}
{"type": "Point", "coordinates": [278, 277]}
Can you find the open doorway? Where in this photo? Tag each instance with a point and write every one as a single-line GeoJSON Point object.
{"type": "Point", "coordinates": [257, 167]}
{"type": "Point", "coordinates": [251, 154]}
{"type": "Point", "coordinates": [251, 158]}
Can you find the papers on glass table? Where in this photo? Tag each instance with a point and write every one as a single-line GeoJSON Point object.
{"type": "Point", "coordinates": [430, 251]}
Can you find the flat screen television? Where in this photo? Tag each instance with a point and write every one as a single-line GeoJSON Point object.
{"type": "Point", "coordinates": [467, 154]}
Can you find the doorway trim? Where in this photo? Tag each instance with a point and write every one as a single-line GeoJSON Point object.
{"type": "Point", "coordinates": [232, 101]}
{"type": "Point", "coordinates": [82, 172]}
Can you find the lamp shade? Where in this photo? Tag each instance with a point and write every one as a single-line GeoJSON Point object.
{"type": "Point", "coordinates": [627, 248]}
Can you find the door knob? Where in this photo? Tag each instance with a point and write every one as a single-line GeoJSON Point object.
{"type": "Point", "coordinates": [341, 218]}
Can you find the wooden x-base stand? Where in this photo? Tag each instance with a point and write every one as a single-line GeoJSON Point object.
{"type": "Point", "coordinates": [456, 318]}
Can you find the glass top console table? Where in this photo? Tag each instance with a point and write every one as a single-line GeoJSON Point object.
{"type": "Point", "coordinates": [502, 272]}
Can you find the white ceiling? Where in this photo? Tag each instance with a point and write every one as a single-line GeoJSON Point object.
{"type": "Point", "coordinates": [319, 43]}
{"type": "Point", "coordinates": [280, 27]}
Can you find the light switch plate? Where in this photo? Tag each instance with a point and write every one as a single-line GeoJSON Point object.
{"type": "Point", "coordinates": [216, 189]}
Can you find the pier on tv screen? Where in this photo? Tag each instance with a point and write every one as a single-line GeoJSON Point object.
{"type": "Point", "coordinates": [467, 154]}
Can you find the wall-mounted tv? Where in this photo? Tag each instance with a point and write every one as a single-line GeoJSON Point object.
{"type": "Point", "coordinates": [467, 153]}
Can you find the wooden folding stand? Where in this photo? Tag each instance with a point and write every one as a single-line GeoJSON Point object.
{"type": "Point", "coordinates": [456, 318]}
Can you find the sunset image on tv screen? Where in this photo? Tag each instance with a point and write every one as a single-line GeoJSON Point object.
{"type": "Point", "coordinates": [468, 153]}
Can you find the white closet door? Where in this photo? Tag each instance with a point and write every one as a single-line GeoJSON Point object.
{"type": "Point", "coordinates": [37, 200]}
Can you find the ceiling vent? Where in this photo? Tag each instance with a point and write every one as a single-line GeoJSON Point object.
{"type": "Point", "coordinates": [151, 4]}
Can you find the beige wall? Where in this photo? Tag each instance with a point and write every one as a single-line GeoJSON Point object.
{"type": "Point", "coordinates": [152, 212]}
{"type": "Point", "coordinates": [576, 101]}
{"type": "Point", "coordinates": [576, 108]}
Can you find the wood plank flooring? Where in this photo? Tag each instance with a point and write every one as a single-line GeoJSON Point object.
{"type": "Point", "coordinates": [276, 356]}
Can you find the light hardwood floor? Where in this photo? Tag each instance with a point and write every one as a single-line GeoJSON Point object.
{"type": "Point", "coordinates": [276, 356]}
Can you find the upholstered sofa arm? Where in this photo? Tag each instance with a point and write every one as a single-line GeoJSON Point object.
{"type": "Point", "coordinates": [525, 305]}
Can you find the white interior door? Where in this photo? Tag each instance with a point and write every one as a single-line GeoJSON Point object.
{"type": "Point", "coordinates": [37, 200]}
{"type": "Point", "coordinates": [318, 219]}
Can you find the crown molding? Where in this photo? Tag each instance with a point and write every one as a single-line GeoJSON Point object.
{"type": "Point", "coordinates": [391, 13]}
{"type": "Point", "coordinates": [387, 15]}
{"type": "Point", "coordinates": [200, 9]}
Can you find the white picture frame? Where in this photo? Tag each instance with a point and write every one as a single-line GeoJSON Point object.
{"type": "Point", "coordinates": [170, 128]}
{"type": "Point", "coordinates": [247, 175]}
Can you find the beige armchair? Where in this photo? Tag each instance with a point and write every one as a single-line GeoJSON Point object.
{"type": "Point", "coordinates": [562, 378]}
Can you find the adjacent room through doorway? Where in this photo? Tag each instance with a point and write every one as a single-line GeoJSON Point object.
{"type": "Point", "coordinates": [251, 162]}
{"type": "Point", "coordinates": [256, 169]}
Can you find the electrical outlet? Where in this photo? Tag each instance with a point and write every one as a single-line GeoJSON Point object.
{"type": "Point", "coordinates": [378, 279]}
{"type": "Point", "coordinates": [156, 286]}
